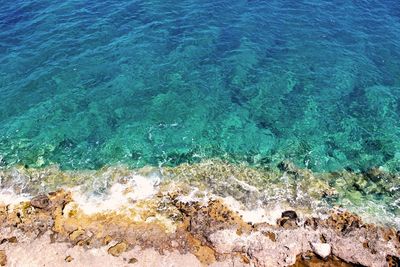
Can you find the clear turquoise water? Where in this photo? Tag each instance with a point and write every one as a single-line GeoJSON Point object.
{"type": "Point", "coordinates": [85, 84]}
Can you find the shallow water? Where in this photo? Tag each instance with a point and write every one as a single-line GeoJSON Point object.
{"type": "Point", "coordinates": [106, 83]}
{"type": "Point", "coordinates": [87, 84]}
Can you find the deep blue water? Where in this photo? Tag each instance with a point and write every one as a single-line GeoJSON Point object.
{"type": "Point", "coordinates": [85, 84]}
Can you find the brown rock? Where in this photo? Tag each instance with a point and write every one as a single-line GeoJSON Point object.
{"type": "Point", "coordinates": [40, 202]}
{"type": "Point", "coordinates": [287, 223]}
{"type": "Point", "coordinates": [107, 239]}
{"type": "Point", "coordinates": [13, 240]}
{"type": "Point", "coordinates": [291, 214]}
{"type": "Point", "coordinates": [288, 219]}
{"type": "Point", "coordinates": [75, 235]}
{"type": "Point", "coordinates": [270, 235]}
{"type": "Point", "coordinates": [245, 259]}
{"type": "Point", "coordinates": [309, 259]}
{"type": "Point", "coordinates": [312, 223]}
{"type": "Point", "coordinates": [389, 234]}
{"type": "Point", "coordinates": [393, 261]}
{"type": "Point", "coordinates": [118, 249]}
{"type": "Point", "coordinates": [69, 259]}
{"type": "Point", "coordinates": [132, 260]}
{"type": "Point", "coordinates": [343, 221]}
{"type": "Point", "coordinates": [3, 258]}
{"type": "Point", "coordinates": [206, 255]}
{"type": "Point", "coordinates": [207, 219]}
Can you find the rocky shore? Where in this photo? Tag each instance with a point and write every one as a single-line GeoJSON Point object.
{"type": "Point", "coordinates": [207, 220]}
{"type": "Point", "coordinates": [52, 230]}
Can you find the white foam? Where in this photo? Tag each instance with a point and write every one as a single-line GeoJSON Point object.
{"type": "Point", "coordinates": [193, 196]}
{"type": "Point", "coordinates": [9, 197]}
{"type": "Point", "coordinates": [118, 196]}
{"type": "Point", "coordinates": [245, 185]}
{"type": "Point", "coordinates": [258, 215]}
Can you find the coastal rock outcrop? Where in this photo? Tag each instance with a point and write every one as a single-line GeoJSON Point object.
{"type": "Point", "coordinates": [210, 230]}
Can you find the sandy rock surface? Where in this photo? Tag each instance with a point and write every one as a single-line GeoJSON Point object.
{"type": "Point", "coordinates": [163, 230]}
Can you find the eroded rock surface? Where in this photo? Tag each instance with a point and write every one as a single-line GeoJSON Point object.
{"type": "Point", "coordinates": [210, 230]}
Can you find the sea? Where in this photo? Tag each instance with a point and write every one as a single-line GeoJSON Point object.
{"type": "Point", "coordinates": [86, 85]}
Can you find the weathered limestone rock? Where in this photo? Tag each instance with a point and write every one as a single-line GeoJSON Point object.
{"type": "Point", "coordinates": [209, 230]}
{"type": "Point", "coordinates": [321, 249]}
{"type": "Point", "coordinates": [118, 249]}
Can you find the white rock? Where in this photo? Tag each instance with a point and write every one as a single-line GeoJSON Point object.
{"type": "Point", "coordinates": [321, 249]}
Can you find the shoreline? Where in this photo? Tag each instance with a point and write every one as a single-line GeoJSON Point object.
{"type": "Point", "coordinates": [185, 232]}
{"type": "Point", "coordinates": [373, 194]}
{"type": "Point", "coordinates": [211, 213]}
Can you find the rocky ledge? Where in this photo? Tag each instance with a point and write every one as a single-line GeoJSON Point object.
{"type": "Point", "coordinates": [53, 230]}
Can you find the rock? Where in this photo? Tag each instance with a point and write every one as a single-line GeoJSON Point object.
{"type": "Point", "coordinates": [287, 166]}
{"type": "Point", "coordinates": [13, 240]}
{"type": "Point", "coordinates": [291, 214]}
{"type": "Point", "coordinates": [288, 219]}
{"type": "Point", "coordinates": [392, 261]}
{"type": "Point", "coordinates": [287, 223]}
{"type": "Point", "coordinates": [107, 239]}
{"type": "Point", "coordinates": [342, 221]}
{"type": "Point", "coordinates": [270, 235]}
{"type": "Point", "coordinates": [210, 230]}
{"type": "Point", "coordinates": [132, 260]}
{"type": "Point", "coordinates": [76, 234]}
{"type": "Point", "coordinates": [214, 216]}
{"type": "Point", "coordinates": [321, 249]}
{"type": "Point", "coordinates": [312, 223]}
{"type": "Point", "coordinates": [118, 249]}
{"type": "Point", "coordinates": [375, 174]}
{"type": "Point", "coordinates": [309, 259]}
{"type": "Point", "coordinates": [40, 202]}
{"type": "Point", "coordinates": [3, 258]}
